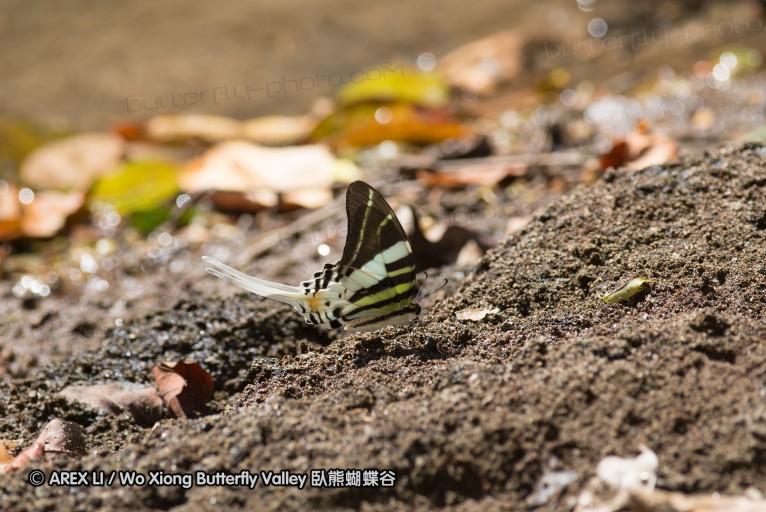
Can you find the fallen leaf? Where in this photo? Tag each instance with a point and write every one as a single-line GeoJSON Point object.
{"type": "Point", "coordinates": [483, 175]}
{"type": "Point", "coordinates": [262, 174]}
{"type": "Point", "coordinates": [61, 437]}
{"type": "Point", "coordinates": [470, 254]}
{"type": "Point", "coordinates": [278, 130]}
{"type": "Point", "coordinates": [10, 213]}
{"type": "Point", "coordinates": [633, 289]}
{"type": "Point", "coordinates": [141, 190]}
{"type": "Point", "coordinates": [5, 455]}
{"type": "Point", "coordinates": [475, 314]}
{"type": "Point", "coordinates": [34, 452]}
{"type": "Point", "coordinates": [135, 186]}
{"type": "Point", "coordinates": [627, 484]}
{"type": "Point", "coordinates": [19, 138]}
{"type": "Point", "coordinates": [703, 119]}
{"type": "Point", "coordinates": [73, 163]}
{"type": "Point", "coordinates": [48, 212]}
{"type": "Point", "coordinates": [180, 128]}
{"type": "Point", "coordinates": [141, 401]}
{"type": "Point", "coordinates": [43, 217]}
{"type": "Point", "coordinates": [184, 387]}
{"type": "Point", "coordinates": [396, 84]}
{"type": "Point", "coordinates": [642, 148]}
{"type": "Point", "coordinates": [480, 66]}
{"type": "Point", "coordinates": [367, 124]}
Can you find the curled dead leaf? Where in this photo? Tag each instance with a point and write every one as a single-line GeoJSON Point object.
{"type": "Point", "coordinates": [34, 452]}
{"type": "Point", "coordinates": [72, 163]}
{"type": "Point", "coordinates": [184, 387]}
{"type": "Point", "coordinates": [142, 402]}
{"type": "Point", "coordinates": [42, 216]}
{"type": "Point", "coordinates": [59, 438]}
{"type": "Point", "coordinates": [278, 130]}
{"type": "Point", "coordinates": [640, 149]}
{"type": "Point", "coordinates": [263, 174]}
{"type": "Point", "coordinates": [48, 212]}
{"type": "Point", "coordinates": [179, 128]}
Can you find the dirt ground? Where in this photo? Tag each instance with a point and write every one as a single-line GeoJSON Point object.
{"type": "Point", "coordinates": [468, 414]}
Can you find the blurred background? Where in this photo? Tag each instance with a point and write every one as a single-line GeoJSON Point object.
{"type": "Point", "coordinates": [84, 64]}
{"type": "Point", "coordinates": [135, 138]}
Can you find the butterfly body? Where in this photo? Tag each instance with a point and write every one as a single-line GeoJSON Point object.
{"type": "Point", "coordinates": [371, 286]}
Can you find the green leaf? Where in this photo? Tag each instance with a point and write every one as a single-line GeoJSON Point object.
{"type": "Point", "coordinates": [135, 187]}
{"type": "Point", "coordinates": [395, 84]}
{"type": "Point", "coordinates": [632, 290]}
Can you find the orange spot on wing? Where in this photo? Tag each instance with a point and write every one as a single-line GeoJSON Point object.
{"type": "Point", "coordinates": [315, 304]}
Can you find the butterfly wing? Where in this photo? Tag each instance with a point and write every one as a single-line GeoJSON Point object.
{"type": "Point", "coordinates": [372, 285]}
{"type": "Point", "coordinates": [377, 263]}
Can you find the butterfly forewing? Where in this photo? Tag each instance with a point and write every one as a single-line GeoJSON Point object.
{"type": "Point", "coordinates": [377, 258]}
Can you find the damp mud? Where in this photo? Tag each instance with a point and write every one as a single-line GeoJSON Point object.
{"type": "Point", "coordinates": [468, 414]}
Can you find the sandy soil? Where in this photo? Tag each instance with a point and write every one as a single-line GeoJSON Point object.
{"type": "Point", "coordinates": [469, 415]}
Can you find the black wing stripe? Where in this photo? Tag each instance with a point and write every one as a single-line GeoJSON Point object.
{"type": "Point", "coordinates": [372, 225]}
{"type": "Point", "coordinates": [354, 313]}
{"type": "Point", "coordinates": [381, 286]}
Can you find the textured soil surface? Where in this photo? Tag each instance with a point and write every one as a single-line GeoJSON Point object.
{"type": "Point", "coordinates": [468, 414]}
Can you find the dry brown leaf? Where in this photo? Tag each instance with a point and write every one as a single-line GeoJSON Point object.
{"type": "Point", "coordinates": [278, 130]}
{"type": "Point", "coordinates": [10, 213]}
{"type": "Point", "coordinates": [184, 387]}
{"type": "Point", "coordinates": [640, 149]}
{"type": "Point", "coordinates": [261, 174]}
{"type": "Point", "coordinates": [175, 128]}
{"type": "Point", "coordinates": [48, 212]}
{"type": "Point", "coordinates": [73, 163]}
{"type": "Point", "coordinates": [480, 66]}
{"type": "Point", "coordinates": [61, 437]}
{"type": "Point", "coordinates": [34, 452]}
{"type": "Point", "coordinates": [5, 455]}
{"type": "Point", "coordinates": [366, 124]}
{"type": "Point", "coordinates": [142, 402]}
{"type": "Point", "coordinates": [42, 218]}
{"type": "Point", "coordinates": [485, 175]}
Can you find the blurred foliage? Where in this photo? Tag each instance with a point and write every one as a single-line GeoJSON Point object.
{"type": "Point", "coordinates": [140, 190]}
{"type": "Point", "coordinates": [366, 124]}
{"type": "Point", "coordinates": [18, 139]}
{"type": "Point", "coordinates": [396, 85]}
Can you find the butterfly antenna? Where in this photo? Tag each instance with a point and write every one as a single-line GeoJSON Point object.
{"type": "Point", "coordinates": [439, 288]}
{"type": "Point", "coordinates": [419, 298]}
{"type": "Point", "coordinates": [421, 288]}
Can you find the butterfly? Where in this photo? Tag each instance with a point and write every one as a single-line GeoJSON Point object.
{"type": "Point", "coordinates": [373, 284]}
